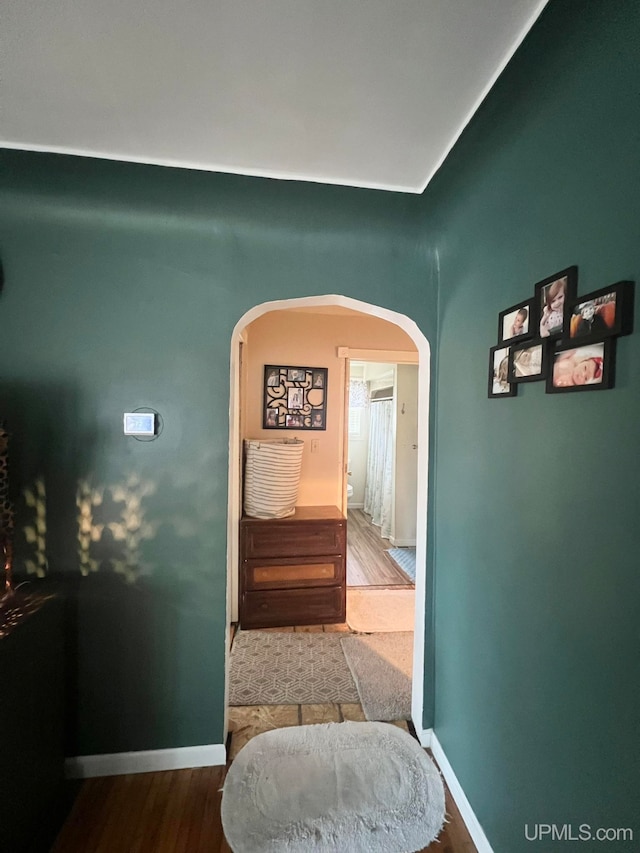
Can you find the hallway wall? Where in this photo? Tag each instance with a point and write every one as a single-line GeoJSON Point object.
{"type": "Point", "coordinates": [122, 286]}
{"type": "Point", "coordinates": [537, 536]}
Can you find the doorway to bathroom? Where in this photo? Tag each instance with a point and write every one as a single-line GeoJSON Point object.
{"type": "Point", "coordinates": [381, 444]}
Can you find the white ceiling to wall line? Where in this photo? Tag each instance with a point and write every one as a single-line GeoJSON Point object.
{"type": "Point", "coordinates": [368, 93]}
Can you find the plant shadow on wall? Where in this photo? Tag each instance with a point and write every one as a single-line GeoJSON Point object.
{"type": "Point", "coordinates": [130, 554]}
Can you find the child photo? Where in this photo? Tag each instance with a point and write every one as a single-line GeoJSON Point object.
{"type": "Point", "coordinates": [584, 368]}
{"type": "Point", "coordinates": [272, 418]}
{"type": "Point", "coordinates": [551, 295]}
{"type": "Point", "coordinates": [317, 420]}
{"type": "Point", "coordinates": [294, 421]}
{"type": "Point", "coordinates": [318, 379]}
{"type": "Point", "coordinates": [515, 322]}
{"type": "Point", "coordinates": [295, 398]}
{"type": "Point", "coordinates": [296, 374]}
{"type": "Point", "coordinates": [528, 363]}
{"type": "Point", "coordinates": [499, 385]}
{"type": "Point", "coordinates": [273, 376]}
{"type": "Point", "coordinates": [603, 313]}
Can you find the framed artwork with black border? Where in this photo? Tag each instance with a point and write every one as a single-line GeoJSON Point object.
{"type": "Point", "coordinates": [604, 313]}
{"type": "Point", "coordinates": [586, 367]}
{"type": "Point", "coordinates": [499, 385]}
{"type": "Point", "coordinates": [294, 397]}
{"type": "Point", "coordinates": [529, 361]}
{"type": "Point", "coordinates": [515, 324]}
{"type": "Point", "coordinates": [551, 295]}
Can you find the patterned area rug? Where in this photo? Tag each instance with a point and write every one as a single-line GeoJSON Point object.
{"type": "Point", "coordinates": [405, 558]}
{"type": "Point", "coordinates": [288, 669]}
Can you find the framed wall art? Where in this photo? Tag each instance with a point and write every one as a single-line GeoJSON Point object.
{"type": "Point", "coordinates": [589, 367]}
{"type": "Point", "coordinates": [528, 361]}
{"type": "Point", "coordinates": [294, 397]}
{"type": "Point", "coordinates": [549, 302]}
{"type": "Point", "coordinates": [601, 314]}
{"type": "Point", "coordinates": [499, 385]}
{"type": "Point", "coordinates": [516, 322]}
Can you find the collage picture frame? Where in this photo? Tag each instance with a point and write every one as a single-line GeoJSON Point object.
{"type": "Point", "coordinates": [295, 397]}
{"type": "Point", "coordinates": [566, 340]}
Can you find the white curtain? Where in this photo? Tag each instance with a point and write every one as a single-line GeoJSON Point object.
{"type": "Point", "coordinates": [379, 483]}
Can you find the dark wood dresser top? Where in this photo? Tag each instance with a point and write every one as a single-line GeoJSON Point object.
{"type": "Point", "coordinates": [302, 513]}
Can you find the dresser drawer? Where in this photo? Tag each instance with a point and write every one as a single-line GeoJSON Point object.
{"type": "Point", "coordinates": [288, 572]}
{"type": "Point", "coordinates": [276, 608]}
{"type": "Point", "coordinates": [293, 540]}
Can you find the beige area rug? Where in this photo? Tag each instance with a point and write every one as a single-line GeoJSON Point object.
{"type": "Point", "coordinates": [382, 668]}
{"type": "Point", "coordinates": [288, 669]}
{"type": "Point", "coordinates": [353, 787]}
{"type": "Point", "coordinates": [374, 610]}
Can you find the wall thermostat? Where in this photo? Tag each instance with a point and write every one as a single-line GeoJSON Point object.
{"type": "Point", "coordinates": [140, 423]}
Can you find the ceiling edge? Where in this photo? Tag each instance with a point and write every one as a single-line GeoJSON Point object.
{"type": "Point", "coordinates": [199, 167]}
{"type": "Point", "coordinates": [505, 61]}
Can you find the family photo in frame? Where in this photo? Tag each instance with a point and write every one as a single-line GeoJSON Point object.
{"type": "Point", "coordinates": [557, 336]}
{"type": "Point", "coordinates": [294, 397]}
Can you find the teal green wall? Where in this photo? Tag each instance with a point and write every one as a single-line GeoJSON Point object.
{"type": "Point", "coordinates": [537, 533]}
{"type": "Point", "coordinates": [122, 287]}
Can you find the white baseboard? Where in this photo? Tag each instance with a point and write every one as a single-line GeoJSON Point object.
{"type": "Point", "coordinates": [356, 505]}
{"type": "Point", "coordinates": [468, 816]}
{"type": "Point", "coordinates": [424, 736]}
{"type": "Point", "coordinates": [148, 761]}
{"type": "Point", "coordinates": [402, 543]}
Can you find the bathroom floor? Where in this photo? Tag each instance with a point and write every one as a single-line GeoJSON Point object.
{"type": "Point", "coordinates": [368, 564]}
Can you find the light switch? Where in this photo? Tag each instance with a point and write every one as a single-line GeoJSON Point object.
{"type": "Point", "coordinates": [315, 445]}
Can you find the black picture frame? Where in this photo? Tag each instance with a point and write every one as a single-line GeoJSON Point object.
{"type": "Point", "coordinates": [529, 361]}
{"type": "Point", "coordinates": [294, 397]}
{"type": "Point", "coordinates": [507, 319]}
{"type": "Point", "coordinates": [601, 314]}
{"type": "Point", "coordinates": [544, 314]}
{"type": "Point", "coordinates": [498, 373]}
{"type": "Point", "coordinates": [592, 367]}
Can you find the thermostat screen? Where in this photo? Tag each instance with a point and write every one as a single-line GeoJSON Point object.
{"type": "Point", "coordinates": [139, 423]}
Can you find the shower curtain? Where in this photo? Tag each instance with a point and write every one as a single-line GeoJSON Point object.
{"type": "Point", "coordinates": [379, 482]}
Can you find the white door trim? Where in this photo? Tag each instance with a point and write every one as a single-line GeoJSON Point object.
{"type": "Point", "coordinates": [234, 508]}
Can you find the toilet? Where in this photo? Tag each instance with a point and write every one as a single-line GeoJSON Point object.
{"type": "Point", "coordinates": [349, 486]}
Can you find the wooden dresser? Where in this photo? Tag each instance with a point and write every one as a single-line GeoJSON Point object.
{"type": "Point", "coordinates": [293, 570]}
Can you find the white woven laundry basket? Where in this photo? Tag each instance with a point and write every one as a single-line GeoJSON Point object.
{"type": "Point", "coordinates": [272, 477]}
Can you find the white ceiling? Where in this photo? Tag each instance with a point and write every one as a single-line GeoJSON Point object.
{"type": "Point", "coordinates": [366, 93]}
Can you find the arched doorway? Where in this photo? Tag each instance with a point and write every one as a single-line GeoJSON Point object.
{"type": "Point", "coordinates": [235, 461]}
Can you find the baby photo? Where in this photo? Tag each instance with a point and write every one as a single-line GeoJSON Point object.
{"type": "Point", "coordinates": [527, 362]}
{"type": "Point", "coordinates": [515, 322]}
{"type": "Point", "coordinates": [583, 367]}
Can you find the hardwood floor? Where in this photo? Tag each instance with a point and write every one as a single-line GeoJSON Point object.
{"type": "Point", "coordinates": [178, 811]}
{"type": "Point", "coordinates": [368, 564]}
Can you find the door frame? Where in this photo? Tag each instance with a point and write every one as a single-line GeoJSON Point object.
{"type": "Point", "coordinates": [234, 505]}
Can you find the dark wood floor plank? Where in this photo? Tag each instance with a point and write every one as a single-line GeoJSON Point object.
{"type": "Point", "coordinates": [368, 564]}
{"type": "Point", "coordinates": [173, 813]}
{"type": "Point", "coordinates": [178, 811]}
